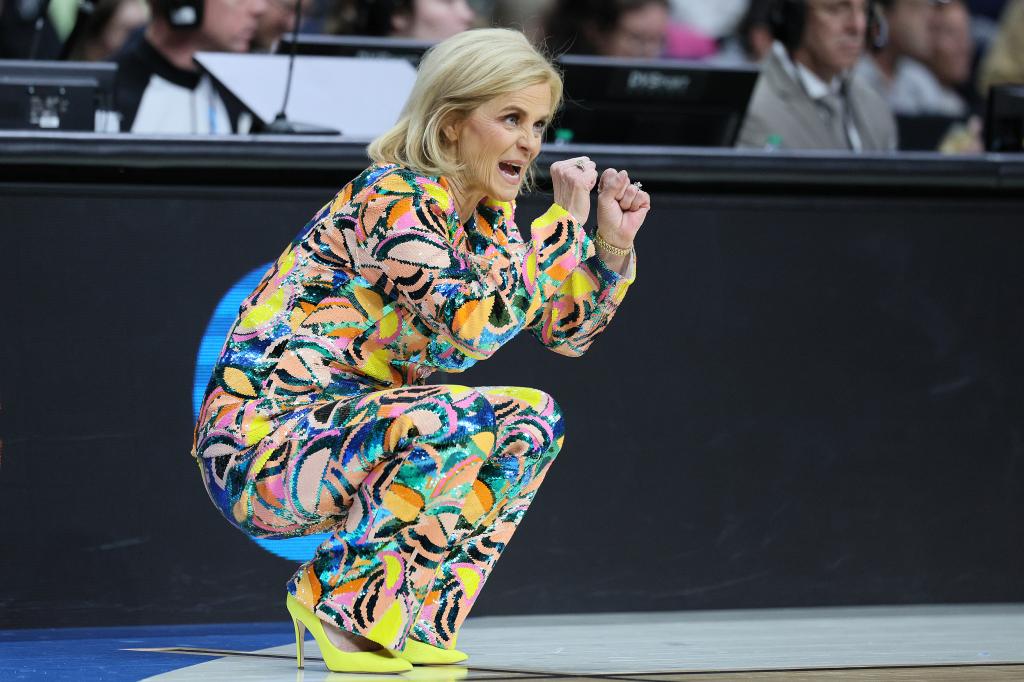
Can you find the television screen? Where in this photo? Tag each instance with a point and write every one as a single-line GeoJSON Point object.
{"type": "Point", "coordinates": [652, 102]}
{"type": "Point", "coordinates": [45, 95]}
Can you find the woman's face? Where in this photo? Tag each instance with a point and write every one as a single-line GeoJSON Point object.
{"type": "Point", "coordinates": [435, 20]}
{"type": "Point", "coordinates": [499, 140]}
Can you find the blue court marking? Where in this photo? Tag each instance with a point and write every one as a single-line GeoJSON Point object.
{"type": "Point", "coordinates": [77, 654]}
{"type": "Point", "coordinates": [296, 549]}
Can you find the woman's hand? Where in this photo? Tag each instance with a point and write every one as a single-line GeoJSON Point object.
{"type": "Point", "coordinates": [621, 208]}
{"type": "Point", "coordinates": [573, 180]}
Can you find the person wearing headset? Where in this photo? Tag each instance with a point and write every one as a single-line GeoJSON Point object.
{"type": "Point", "coordinates": [159, 89]}
{"type": "Point", "coordinates": [807, 97]}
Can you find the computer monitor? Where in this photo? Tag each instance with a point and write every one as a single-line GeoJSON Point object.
{"type": "Point", "coordinates": [363, 47]}
{"type": "Point", "coordinates": [652, 102]}
{"type": "Point", "coordinates": [1004, 119]}
{"type": "Point", "coordinates": [45, 95]}
{"type": "Point", "coordinates": [924, 133]}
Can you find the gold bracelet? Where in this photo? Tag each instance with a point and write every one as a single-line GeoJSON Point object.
{"type": "Point", "coordinates": [614, 250]}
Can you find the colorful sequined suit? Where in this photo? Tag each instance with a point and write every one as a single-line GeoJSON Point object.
{"type": "Point", "coordinates": [317, 417]}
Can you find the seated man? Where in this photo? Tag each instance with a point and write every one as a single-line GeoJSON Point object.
{"type": "Point", "coordinates": [806, 97]}
{"type": "Point", "coordinates": [952, 54]}
{"type": "Point", "coordinates": [159, 89]}
{"type": "Point", "coordinates": [896, 69]}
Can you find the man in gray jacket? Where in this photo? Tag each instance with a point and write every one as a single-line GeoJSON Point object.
{"type": "Point", "coordinates": [806, 97]}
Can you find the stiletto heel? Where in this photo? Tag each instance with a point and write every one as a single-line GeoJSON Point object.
{"type": "Point", "coordinates": [300, 639]}
{"type": "Point", "coordinates": [380, 661]}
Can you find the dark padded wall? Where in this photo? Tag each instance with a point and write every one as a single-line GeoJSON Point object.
{"type": "Point", "coordinates": [803, 401]}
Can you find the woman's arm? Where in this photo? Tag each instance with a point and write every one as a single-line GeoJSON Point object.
{"type": "Point", "coordinates": [583, 306]}
{"type": "Point", "coordinates": [586, 302]}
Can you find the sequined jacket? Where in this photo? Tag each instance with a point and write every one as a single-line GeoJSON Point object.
{"type": "Point", "coordinates": [386, 285]}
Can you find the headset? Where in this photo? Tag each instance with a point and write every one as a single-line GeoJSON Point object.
{"type": "Point", "coordinates": [182, 15]}
{"type": "Point", "coordinates": [788, 19]}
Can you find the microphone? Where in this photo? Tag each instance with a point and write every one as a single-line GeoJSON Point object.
{"type": "Point", "coordinates": [281, 125]}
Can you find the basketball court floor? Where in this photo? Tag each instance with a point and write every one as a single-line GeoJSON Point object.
{"type": "Point", "coordinates": [864, 643]}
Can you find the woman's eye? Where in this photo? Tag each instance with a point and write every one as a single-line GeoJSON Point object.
{"type": "Point", "coordinates": [513, 119]}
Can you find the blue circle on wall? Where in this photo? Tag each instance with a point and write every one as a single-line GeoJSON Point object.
{"type": "Point", "coordinates": [224, 315]}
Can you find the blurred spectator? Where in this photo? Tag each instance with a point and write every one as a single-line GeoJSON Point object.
{"type": "Point", "coordinates": [427, 20]}
{"type": "Point", "coordinates": [753, 38]}
{"type": "Point", "coordinates": [684, 42]}
{"type": "Point", "coordinates": [1004, 62]}
{"type": "Point", "coordinates": [611, 28]}
{"type": "Point", "coordinates": [714, 18]}
{"type": "Point", "coordinates": [805, 97]}
{"type": "Point", "coordinates": [26, 31]}
{"type": "Point", "coordinates": [159, 89]}
{"type": "Point", "coordinates": [895, 67]}
{"type": "Point", "coordinates": [951, 61]}
{"type": "Point", "coordinates": [101, 32]}
{"type": "Point", "coordinates": [527, 16]}
{"type": "Point", "coordinates": [953, 51]}
{"type": "Point", "coordinates": [278, 19]}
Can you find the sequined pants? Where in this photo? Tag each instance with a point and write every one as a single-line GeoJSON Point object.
{"type": "Point", "coordinates": [421, 489]}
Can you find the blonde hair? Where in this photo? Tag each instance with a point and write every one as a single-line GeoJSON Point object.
{"type": "Point", "coordinates": [455, 77]}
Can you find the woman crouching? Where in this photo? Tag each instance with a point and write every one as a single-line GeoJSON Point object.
{"type": "Point", "coordinates": [317, 417]}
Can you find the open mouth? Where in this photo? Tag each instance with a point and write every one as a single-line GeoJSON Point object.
{"type": "Point", "coordinates": [510, 171]}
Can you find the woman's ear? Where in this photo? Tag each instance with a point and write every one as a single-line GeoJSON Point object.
{"type": "Point", "coordinates": [450, 129]}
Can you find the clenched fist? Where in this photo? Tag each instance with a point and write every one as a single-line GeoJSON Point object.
{"type": "Point", "coordinates": [621, 208]}
{"type": "Point", "coordinates": [573, 179]}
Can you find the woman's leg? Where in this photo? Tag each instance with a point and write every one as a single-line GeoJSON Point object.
{"type": "Point", "coordinates": [530, 431]}
{"type": "Point", "coordinates": [392, 469]}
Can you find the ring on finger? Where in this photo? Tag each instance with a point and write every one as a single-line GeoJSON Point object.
{"type": "Point", "coordinates": [638, 184]}
{"type": "Point", "coordinates": [580, 164]}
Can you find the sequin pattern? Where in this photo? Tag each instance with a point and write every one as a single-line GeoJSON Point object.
{"type": "Point", "coordinates": [317, 417]}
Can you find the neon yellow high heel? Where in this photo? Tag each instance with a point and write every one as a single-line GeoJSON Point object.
{"type": "Point", "coordinates": [380, 661]}
{"type": "Point", "coordinates": [421, 653]}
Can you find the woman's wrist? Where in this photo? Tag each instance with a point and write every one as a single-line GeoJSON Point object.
{"type": "Point", "coordinates": [580, 216]}
{"type": "Point", "coordinates": [610, 247]}
{"type": "Point", "coordinates": [614, 258]}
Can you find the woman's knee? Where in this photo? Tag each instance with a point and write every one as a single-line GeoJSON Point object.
{"type": "Point", "coordinates": [427, 415]}
{"type": "Point", "coordinates": [469, 411]}
{"type": "Point", "coordinates": [454, 417]}
{"type": "Point", "coordinates": [530, 413]}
